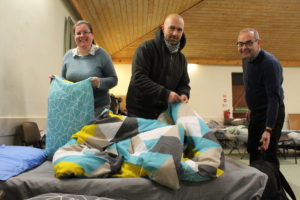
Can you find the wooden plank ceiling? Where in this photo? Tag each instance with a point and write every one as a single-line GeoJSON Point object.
{"type": "Point", "coordinates": [211, 26]}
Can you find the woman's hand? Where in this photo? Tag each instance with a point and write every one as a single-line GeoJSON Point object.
{"type": "Point", "coordinates": [51, 77]}
{"type": "Point", "coordinates": [95, 82]}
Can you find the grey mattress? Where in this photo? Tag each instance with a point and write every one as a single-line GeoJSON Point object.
{"type": "Point", "coordinates": [239, 182]}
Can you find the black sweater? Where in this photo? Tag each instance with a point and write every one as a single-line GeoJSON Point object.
{"type": "Point", "coordinates": [263, 85]}
{"type": "Point", "coordinates": [156, 72]}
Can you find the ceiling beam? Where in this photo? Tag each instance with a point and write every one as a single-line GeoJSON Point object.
{"type": "Point", "coordinates": [201, 61]}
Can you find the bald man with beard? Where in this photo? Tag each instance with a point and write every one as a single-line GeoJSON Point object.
{"type": "Point", "coordinates": [159, 72]}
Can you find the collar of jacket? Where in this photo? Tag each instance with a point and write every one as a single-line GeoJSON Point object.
{"type": "Point", "coordinates": [259, 57]}
{"type": "Point", "coordinates": [159, 38]}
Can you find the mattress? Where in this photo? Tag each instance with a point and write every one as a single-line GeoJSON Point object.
{"type": "Point", "coordinates": [238, 182]}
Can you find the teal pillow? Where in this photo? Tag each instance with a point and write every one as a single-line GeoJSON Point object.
{"type": "Point", "coordinates": [70, 106]}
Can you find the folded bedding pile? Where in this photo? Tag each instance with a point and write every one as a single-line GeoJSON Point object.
{"type": "Point", "coordinates": [119, 146]}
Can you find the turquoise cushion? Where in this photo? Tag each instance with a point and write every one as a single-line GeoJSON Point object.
{"type": "Point", "coordinates": [70, 106]}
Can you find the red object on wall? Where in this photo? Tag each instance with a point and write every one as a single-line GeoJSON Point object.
{"type": "Point", "coordinates": [226, 114]}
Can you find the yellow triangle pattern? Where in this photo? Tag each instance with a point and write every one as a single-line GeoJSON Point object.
{"type": "Point", "coordinates": [129, 170]}
{"type": "Point", "coordinates": [86, 132]}
{"type": "Point", "coordinates": [121, 117]}
{"type": "Point", "coordinates": [64, 168]}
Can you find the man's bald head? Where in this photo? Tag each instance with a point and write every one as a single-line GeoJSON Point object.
{"type": "Point", "coordinates": [173, 28]}
{"type": "Point", "coordinates": [174, 17]}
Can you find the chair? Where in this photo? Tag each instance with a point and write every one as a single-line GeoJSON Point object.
{"type": "Point", "coordinates": [287, 143]}
{"type": "Point", "coordinates": [243, 140]}
{"type": "Point", "coordinates": [30, 134]}
{"type": "Point", "coordinates": [115, 103]}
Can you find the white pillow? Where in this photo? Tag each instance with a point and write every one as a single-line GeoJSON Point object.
{"type": "Point", "coordinates": [295, 136]}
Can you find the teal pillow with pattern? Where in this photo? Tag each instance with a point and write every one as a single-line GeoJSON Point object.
{"type": "Point", "coordinates": [70, 106]}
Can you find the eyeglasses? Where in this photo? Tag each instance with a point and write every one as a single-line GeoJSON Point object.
{"type": "Point", "coordinates": [82, 33]}
{"type": "Point", "coordinates": [248, 43]}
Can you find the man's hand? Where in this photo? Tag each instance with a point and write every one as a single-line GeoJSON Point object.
{"type": "Point", "coordinates": [265, 141]}
{"type": "Point", "coordinates": [173, 97]}
{"type": "Point", "coordinates": [184, 98]}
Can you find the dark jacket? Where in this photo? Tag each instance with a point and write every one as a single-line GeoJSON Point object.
{"type": "Point", "coordinates": [156, 72]}
{"type": "Point", "coordinates": [263, 85]}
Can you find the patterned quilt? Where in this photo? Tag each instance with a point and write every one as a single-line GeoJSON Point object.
{"type": "Point", "coordinates": [184, 149]}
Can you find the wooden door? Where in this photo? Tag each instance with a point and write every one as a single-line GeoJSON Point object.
{"type": "Point", "coordinates": [238, 101]}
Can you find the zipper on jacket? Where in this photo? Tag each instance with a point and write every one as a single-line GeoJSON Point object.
{"type": "Point", "coordinates": [170, 71]}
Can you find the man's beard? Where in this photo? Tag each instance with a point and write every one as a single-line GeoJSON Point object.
{"type": "Point", "coordinates": [173, 48]}
{"type": "Point", "coordinates": [172, 40]}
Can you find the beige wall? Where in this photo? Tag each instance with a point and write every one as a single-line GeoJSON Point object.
{"type": "Point", "coordinates": [32, 36]}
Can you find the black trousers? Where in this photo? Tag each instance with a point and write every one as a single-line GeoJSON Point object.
{"type": "Point", "coordinates": [256, 128]}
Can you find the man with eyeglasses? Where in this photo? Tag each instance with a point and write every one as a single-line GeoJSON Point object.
{"type": "Point", "coordinates": [264, 95]}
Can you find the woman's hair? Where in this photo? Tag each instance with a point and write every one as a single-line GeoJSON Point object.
{"type": "Point", "coordinates": [82, 22]}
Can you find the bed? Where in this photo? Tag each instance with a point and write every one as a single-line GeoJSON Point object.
{"type": "Point", "coordinates": [123, 157]}
{"type": "Point", "coordinates": [289, 140]}
{"type": "Point", "coordinates": [239, 182]}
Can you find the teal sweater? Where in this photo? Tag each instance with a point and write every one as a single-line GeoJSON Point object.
{"type": "Point", "coordinates": [77, 68]}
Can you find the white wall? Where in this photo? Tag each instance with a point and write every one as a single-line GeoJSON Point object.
{"type": "Point", "coordinates": [291, 86]}
{"type": "Point", "coordinates": [32, 34]}
{"type": "Point", "coordinates": [32, 38]}
{"type": "Point", "coordinates": [124, 75]}
{"type": "Point", "coordinates": [210, 83]}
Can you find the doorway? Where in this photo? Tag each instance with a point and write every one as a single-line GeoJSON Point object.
{"type": "Point", "coordinates": [239, 106]}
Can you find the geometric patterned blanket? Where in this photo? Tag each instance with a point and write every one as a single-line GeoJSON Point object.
{"type": "Point", "coordinates": [184, 149]}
